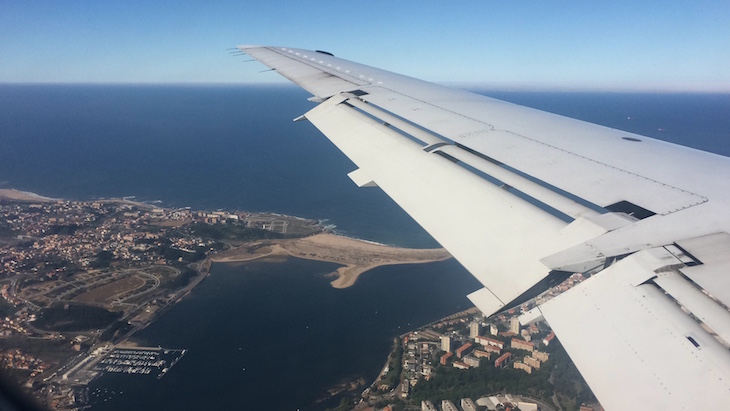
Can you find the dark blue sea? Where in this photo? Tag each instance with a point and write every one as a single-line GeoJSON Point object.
{"type": "Point", "coordinates": [269, 335]}
{"type": "Point", "coordinates": [276, 336]}
{"type": "Point", "coordinates": [236, 147]}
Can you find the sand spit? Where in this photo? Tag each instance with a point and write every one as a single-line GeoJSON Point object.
{"type": "Point", "coordinates": [17, 195]}
{"type": "Point", "coordinates": [356, 256]}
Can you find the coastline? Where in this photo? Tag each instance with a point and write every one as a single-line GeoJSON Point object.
{"type": "Point", "coordinates": [17, 195]}
{"type": "Point", "coordinates": [355, 256]}
{"type": "Point", "coordinates": [13, 194]}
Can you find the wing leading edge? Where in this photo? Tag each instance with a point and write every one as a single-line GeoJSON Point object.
{"type": "Point", "coordinates": [520, 197]}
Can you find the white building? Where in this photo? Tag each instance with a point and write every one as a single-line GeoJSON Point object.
{"type": "Point", "coordinates": [514, 325]}
{"type": "Point", "coordinates": [471, 361]}
{"type": "Point", "coordinates": [468, 405]}
{"type": "Point", "coordinates": [428, 406]}
{"type": "Point", "coordinates": [527, 406]}
{"type": "Point", "coordinates": [447, 405]}
{"type": "Point", "coordinates": [474, 329]}
{"type": "Point", "coordinates": [446, 343]}
{"type": "Point", "coordinates": [490, 402]}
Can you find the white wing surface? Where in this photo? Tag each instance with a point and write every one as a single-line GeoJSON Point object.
{"type": "Point", "coordinates": [521, 197]}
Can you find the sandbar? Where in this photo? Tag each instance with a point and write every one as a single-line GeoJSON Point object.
{"type": "Point", "coordinates": [356, 256]}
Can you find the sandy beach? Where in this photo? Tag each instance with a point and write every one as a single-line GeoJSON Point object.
{"type": "Point", "coordinates": [356, 256]}
{"type": "Point", "coordinates": [17, 195]}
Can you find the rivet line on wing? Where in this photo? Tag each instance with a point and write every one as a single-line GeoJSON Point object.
{"type": "Point", "coordinates": [308, 58]}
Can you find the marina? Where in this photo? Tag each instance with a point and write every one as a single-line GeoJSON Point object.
{"type": "Point", "coordinates": [140, 361]}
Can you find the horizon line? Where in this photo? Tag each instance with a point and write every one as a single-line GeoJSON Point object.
{"type": "Point", "coordinates": [466, 85]}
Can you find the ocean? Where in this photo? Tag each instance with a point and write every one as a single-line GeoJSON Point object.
{"type": "Point", "coordinates": [217, 147]}
{"type": "Point", "coordinates": [236, 147]}
{"type": "Point", "coordinates": [269, 335]}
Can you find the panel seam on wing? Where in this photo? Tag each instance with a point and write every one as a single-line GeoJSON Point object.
{"type": "Point", "coordinates": [491, 128]}
{"type": "Point", "coordinates": [360, 82]}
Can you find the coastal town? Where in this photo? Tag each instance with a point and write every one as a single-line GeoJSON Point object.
{"type": "Point", "coordinates": [79, 278]}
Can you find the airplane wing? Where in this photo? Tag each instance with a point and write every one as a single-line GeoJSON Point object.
{"type": "Point", "coordinates": [522, 198]}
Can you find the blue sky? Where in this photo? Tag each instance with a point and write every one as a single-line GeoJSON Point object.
{"type": "Point", "coordinates": [532, 44]}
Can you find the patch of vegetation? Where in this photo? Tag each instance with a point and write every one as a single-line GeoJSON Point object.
{"type": "Point", "coordinates": [570, 387]}
{"type": "Point", "coordinates": [6, 231]}
{"type": "Point", "coordinates": [232, 232]}
{"type": "Point", "coordinates": [15, 375]}
{"type": "Point", "coordinates": [453, 384]}
{"type": "Point", "coordinates": [396, 404]}
{"type": "Point", "coordinates": [103, 259]}
{"type": "Point", "coordinates": [181, 280]}
{"type": "Point", "coordinates": [48, 350]}
{"type": "Point", "coordinates": [69, 229]}
{"type": "Point", "coordinates": [74, 317]}
{"type": "Point", "coordinates": [161, 270]}
{"type": "Point", "coordinates": [6, 309]}
{"type": "Point", "coordinates": [219, 246]}
{"type": "Point", "coordinates": [392, 378]}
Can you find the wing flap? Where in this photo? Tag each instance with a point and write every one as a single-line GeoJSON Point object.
{"type": "Point", "coordinates": [634, 346]}
{"type": "Point", "coordinates": [702, 307]}
{"type": "Point", "coordinates": [713, 253]}
{"type": "Point", "coordinates": [460, 210]}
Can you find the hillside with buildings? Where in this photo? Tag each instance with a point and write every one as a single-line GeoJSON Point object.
{"type": "Point", "coordinates": [469, 362]}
